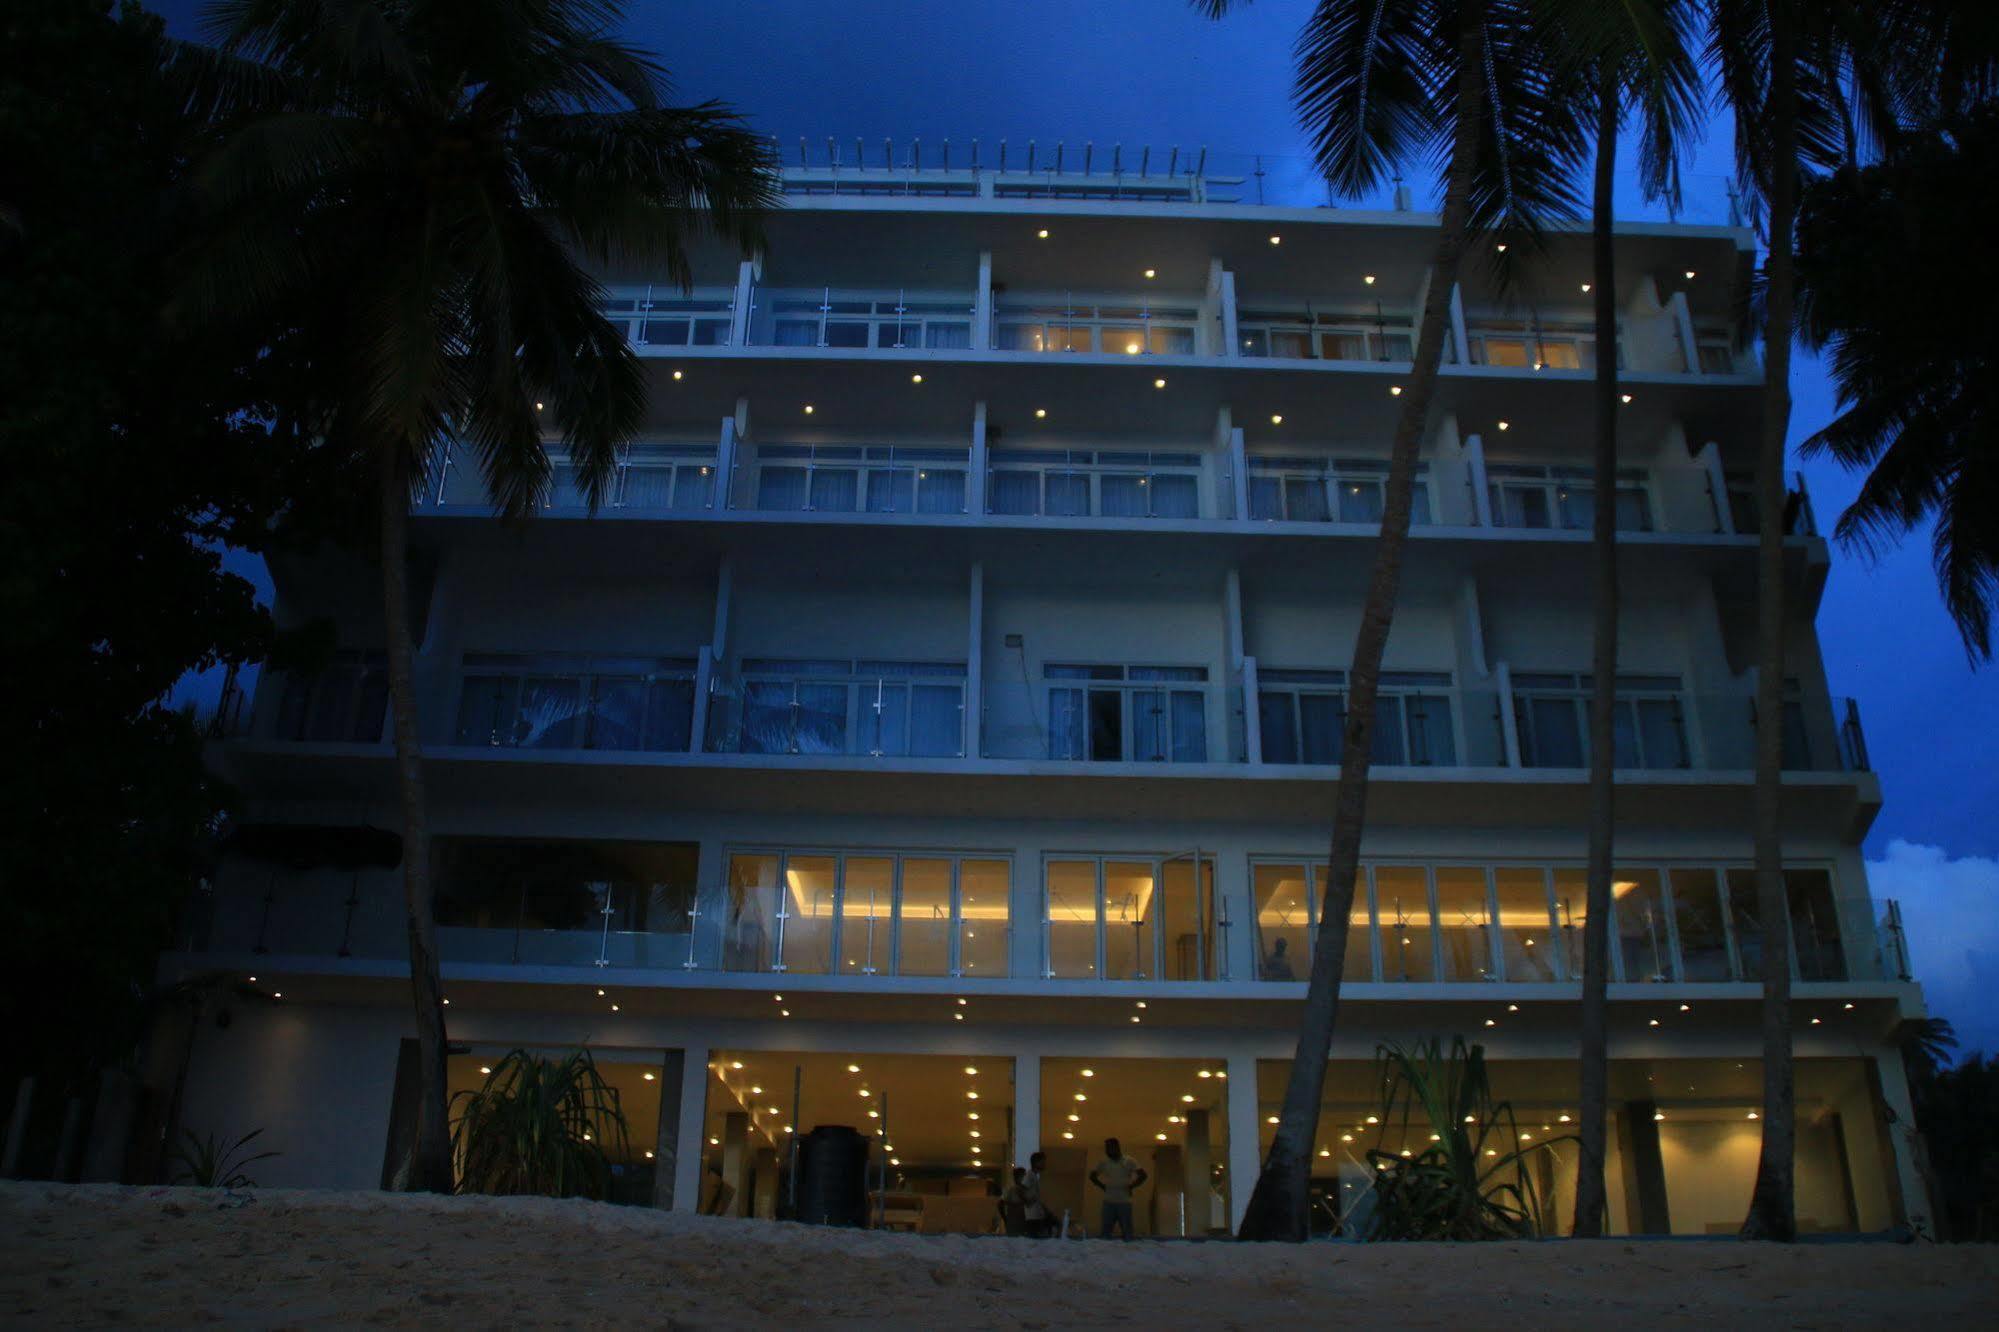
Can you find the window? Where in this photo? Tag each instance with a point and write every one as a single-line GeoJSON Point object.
{"type": "Point", "coordinates": [1295, 335]}
{"type": "Point", "coordinates": [1701, 925]}
{"type": "Point", "coordinates": [1301, 715]}
{"type": "Point", "coordinates": [1133, 918]}
{"type": "Point", "coordinates": [1563, 497]}
{"type": "Point", "coordinates": [559, 701]}
{"type": "Point", "coordinates": [824, 320]}
{"type": "Point", "coordinates": [1644, 950]}
{"type": "Point", "coordinates": [1077, 483]}
{"type": "Point", "coordinates": [1140, 714]}
{"type": "Point", "coordinates": [826, 478]}
{"type": "Point", "coordinates": [347, 701]}
{"type": "Point", "coordinates": [1138, 330]}
{"type": "Point", "coordinates": [1526, 931]}
{"type": "Point", "coordinates": [1320, 490]}
{"type": "Point", "coordinates": [1551, 710]}
{"type": "Point", "coordinates": [565, 903]}
{"type": "Point", "coordinates": [867, 913]}
{"type": "Point", "coordinates": [1402, 906]}
{"type": "Point", "coordinates": [1549, 347]}
{"type": "Point", "coordinates": [699, 321]}
{"type": "Point", "coordinates": [878, 708]}
{"type": "Point", "coordinates": [1289, 900]}
{"type": "Point", "coordinates": [1815, 925]}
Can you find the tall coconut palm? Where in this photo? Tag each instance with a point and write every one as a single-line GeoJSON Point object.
{"type": "Point", "coordinates": [1913, 360]}
{"type": "Point", "coordinates": [1631, 54]}
{"type": "Point", "coordinates": [1379, 83]}
{"type": "Point", "coordinates": [412, 187]}
{"type": "Point", "coordinates": [1807, 82]}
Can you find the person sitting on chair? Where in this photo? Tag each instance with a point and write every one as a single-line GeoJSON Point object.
{"type": "Point", "coordinates": [1277, 963]}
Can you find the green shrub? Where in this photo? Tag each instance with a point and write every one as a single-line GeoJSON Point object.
{"type": "Point", "coordinates": [538, 1126]}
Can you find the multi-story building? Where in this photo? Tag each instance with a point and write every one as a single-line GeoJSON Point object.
{"type": "Point", "coordinates": [932, 732]}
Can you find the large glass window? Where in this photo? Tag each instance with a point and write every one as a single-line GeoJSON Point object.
{"type": "Point", "coordinates": [1402, 906]}
{"type": "Point", "coordinates": [565, 902]}
{"type": "Point", "coordinates": [1146, 714]}
{"type": "Point", "coordinates": [1301, 715]}
{"type": "Point", "coordinates": [1289, 900]}
{"type": "Point", "coordinates": [1072, 327]}
{"type": "Point", "coordinates": [1701, 925]}
{"type": "Point", "coordinates": [821, 319]}
{"type": "Point", "coordinates": [879, 913]}
{"type": "Point", "coordinates": [1076, 483]}
{"type": "Point", "coordinates": [1572, 915]}
{"type": "Point", "coordinates": [1644, 949]}
{"type": "Point", "coordinates": [1552, 712]}
{"type": "Point", "coordinates": [1300, 335]}
{"type": "Point", "coordinates": [1318, 490]}
{"type": "Point", "coordinates": [1815, 925]}
{"type": "Point", "coordinates": [1464, 923]}
{"type": "Point", "coordinates": [560, 701]}
{"type": "Point", "coordinates": [839, 706]}
{"type": "Point", "coordinates": [1150, 919]}
{"type": "Point", "coordinates": [853, 478]}
{"type": "Point", "coordinates": [1526, 932]}
{"type": "Point", "coordinates": [1527, 495]}
{"type": "Point", "coordinates": [347, 701]}
{"type": "Point", "coordinates": [1745, 923]}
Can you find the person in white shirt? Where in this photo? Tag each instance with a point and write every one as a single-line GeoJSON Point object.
{"type": "Point", "coordinates": [1117, 1175]}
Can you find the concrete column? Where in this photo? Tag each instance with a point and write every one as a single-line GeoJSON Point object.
{"type": "Point", "coordinates": [982, 305]}
{"type": "Point", "coordinates": [704, 681]}
{"type": "Point", "coordinates": [17, 1129]}
{"type": "Point", "coordinates": [1709, 458]}
{"type": "Point", "coordinates": [1026, 1106]}
{"type": "Point", "coordinates": [1169, 1189]}
{"type": "Point", "coordinates": [1509, 725]}
{"type": "Point", "coordinates": [1199, 1169]}
{"type": "Point", "coordinates": [1915, 1202]}
{"type": "Point", "coordinates": [1644, 1170]}
{"type": "Point", "coordinates": [725, 593]}
{"type": "Point", "coordinates": [1245, 1150]}
{"type": "Point", "coordinates": [666, 1146]}
{"type": "Point", "coordinates": [973, 731]}
{"type": "Point", "coordinates": [1221, 291]}
{"type": "Point", "coordinates": [739, 316]}
{"type": "Point", "coordinates": [724, 497]}
{"type": "Point", "coordinates": [1683, 329]}
{"type": "Point", "coordinates": [1460, 337]}
{"type": "Point", "coordinates": [690, 1149]}
{"type": "Point", "coordinates": [975, 502]}
{"type": "Point", "coordinates": [1481, 490]}
{"type": "Point", "coordinates": [736, 1155]}
{"type": "Point", "coordinates": [1251, 712]}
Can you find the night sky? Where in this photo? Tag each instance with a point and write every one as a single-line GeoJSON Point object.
{"type": "Point", "coordinates": [1155, 72]}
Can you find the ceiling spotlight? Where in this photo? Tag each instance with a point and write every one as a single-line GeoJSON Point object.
{"type": "Point", "coordinates": [648, 1156]}
{"type": "Point", "coordinates": [1187, 1098]}
{"type": "Point", "coordinates": [1075, 1118]}
{"type": "Point", "coordinates": [1136, 1018]}
{"type": "Point", "coordinates": [1139, 1004]}
{"type": "Point", "coordinates": [1394, 390]}
{"type": "Point", "coordinates": [1513, 1008]}
{"type": "Point", "coordinates": [1346, 1137]}
{"type": "Point", "coordinates": [649, 1077]}
{"type": "Point", "coordinates": [1690, 278]}
{"type": "Point", "coordinates": [1754, 1115]}
{"type": "Point", "coordinates": [784, 1012]}
{"type": "Point", "coordinates": [959, 1016]}
{"type": "Point", "coordinates": [1271, 1120]}
{"type": "Point", "coordinates": [971, 1096]}
{"type": "Point", "coordinates": [1686, 1008]}
{"type": "Point", "coordinates": [893, 1160]}
{"type": "Point", "coordinates": [614, 1007]}
{"type": "Point", "coordinates": [1043, 233]}
{"type": "Point", "coordinates": [808, 409]}
{"type": "Point", "coordinates": [1505, 425]}
{"type": "Point", "coordinates": [1561, 1119]}
{"type": "Point", "coordinates": [1815, 1022]}
{"type": "Point", "coordinates": [916, 379]}
{"type": "Point", "coordinates": [756, 1091]}
{"type": "Point", "coordinates": [714, 1142]}
{"type": "Point", "coordinates": [1089, 1072]}
{"type": "Point", "coordinates": [1653, 1022]}
{"type": "Point", "coordinates": [1492, 1022]}
{"type": "Point", "coordinates": [874, 1114]}
{"type": "Point", "coordinates": [777, 998]}
{"type": "Point", "coordinates": [1585, 286]}
{"type": "Point", "coordinates": [961, 1003]}
{"type": "Point", "coordinates": [487, 1072]}
{"type": "Point", "coordinates": [1276, 240]}
{"type": "Point", "coordinates": [253, 980]}
{"type": "Point", "coordinates": [970, 1071]}
{"type": "Point", "coordinates": [737, 1064]}
{"type": "Point", "coordinates": [1373, 1119]}
{"type": "Point", "coordinates": [1369, 279]}
{"type": "Point", "coordinates": [851, 1068]}
{"type": "Point", "coordinates": [1848, 1006]}
{"type": "Point", "coordinates": [537, 406]}
{"type": "Point", "coordinates": [1501, 247]}
{"type": "Point", "coordinates": [1150, 273]}
{"type": "Point", "coordinates": [1159, 383]}
{"type": "Point", "coordinates": [677, 375]}
{"type": "Point", "coordinates": [1658, 1115]}
{"type": "Point", "coordinates": [866, 1092]}
{"type": "Point", "coordinates": [971, 1114]}
{"type": "Point", "coordinates": [1160, 1136]}
{"type": "Point", "coordinates": [1040, 413]}
{"type": "Point", "coordinates": [1068, 1135]}
{"type": "Point", "coordinates": [1081, 1097]}
{"type": "Point", "coordinates": [1624, 397]}
{"type": "Point", "coordinates": [600, 995]}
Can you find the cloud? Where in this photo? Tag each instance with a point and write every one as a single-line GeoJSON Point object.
{"type": "Point", "coordinates": [1950, 915]}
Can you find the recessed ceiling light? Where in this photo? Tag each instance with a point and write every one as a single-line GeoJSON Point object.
{"type": "Point", "coordinates": [971, 1096]}
{"type": "Point", "coordinates": [866, 1092]}
{"type": "Point", "coordinates": [1491, 1022]}
{"type": "Point", "coordinates": [1150, 273]}
{"type": "Point", "coordinates": [614, 1007]}
{"type": "Point", "coordinates": [1690, 278]}
{"type": "Point", "coordinates": [1081, 1097]}
{"type": "Point", "coordinates": [1561, 1119]}
{"type": "Point", "coordinates": [1585, 286]}
{"type": "Point", "coordinates": [1040, 413]}
{"type": "Point", "coordinates": [1658, 1115]}
{"type": "Point", "coordinates": [537, 406]}
{"type": "Point", "coordinates": [1089, 1072]}
{"type": "Point", "coordinates": [1271, 1120]}
{"type": "Point", "coordinates": [1136, 1018]}
{"type": "Point", "coordinates": [1159, 383]}
{"type": "Point", "coordinates": [737, 1064]}
{"type": "Point", "coordinates": [1276, 240]}
{"type": "Point", "coordinates": [784, 1012]}
{"type": "Point", "coordinates": [1160, 1136]}
{"type": "Point", "coordinates": [808, 409]}
{"type": "Point", "coordinates": [677, 374]}
{"type": "Point", "coordinates": [851, 1068]}
{"type": "Point", "coordinates": [600, 995]}
{"type": "Point", "coordinates": [756, 1091]}
{"type": "Point", "coordinates": [1043, 233]}
{"type": "Point", "coordinates": [714, 1142]}
{"type": "Point", "coordinates": [648, 1156]}
{"type": "Point", "coordinates": [1505, 425]}
{"type": "Point", "coordinates": [1653, 1022]}
{"type": "Point", "coordinates": [1274, 420]}
{"type": "Point", "coordinates": [649, 1077]}
{"type": "Point", "coordinates": [1368, 279]}
{"type": "Point", "coordinates": [1754, 1115]}
{"type": "Point", "coordinates": [1502, 247]}
{"type": "Point", "coordinates": [1068, 1135]}
{"type": "Point", "coordinates": [916, 379]}
{"type": "Point", "coordinates": [1075, 1118]}
{"type": "Point", "coordinates": [1187, 1097]}
{"type": "Point", "coordinates": [1373, 1119]}
{"type": "Point", "coordinates": [1204, 1073]}
{"type": "Point", "coordinates": [1625, 397]}
{"type": "Point", "coordinates": [1394, 390]}
{"type": "Point", "coordinates": [485, 1071]}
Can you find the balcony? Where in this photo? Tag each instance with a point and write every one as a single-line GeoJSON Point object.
{"type": "Point", "coordinates": [938, 320]}
{"type": "Point", "coordinates": [864, 709]}
{"type": "Point", "coordinates": [1100, 483]}
{"type": "Point", "coordinates": [1089, 714]}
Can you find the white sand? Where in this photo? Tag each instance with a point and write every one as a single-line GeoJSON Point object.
{"type": "Point", "coordinates": [97, 1255]}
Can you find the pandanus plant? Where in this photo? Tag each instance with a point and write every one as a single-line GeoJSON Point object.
{"type": "Point", "coordinates": [539, 1126]}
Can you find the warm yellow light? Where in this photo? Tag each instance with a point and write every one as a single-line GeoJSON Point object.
{"type": "Point", "coordinates": [1159, 383]}
{"type": "Point", "coordinates": [1501, 247]}
{"type": "Point", "coordinates": [1150, 273]}
{"type": "Point", "coordinates": [737, 1064]}
{"type": "Point", "coordinates": [970, 1071]}
{"type": "Point", "coordinates": [975, 1133]}
{"type": "Point", "coordinates": [971, 1096]}
{"type": "Point", "coordinates": [759, 1091]}
{"type": "Point", "coordinates": [1586, 286]}
{"type": "Point", "coordinates": [1187, 1098]}
{"type": "Point", "coordinates": [1089, 1072]}
{"type": "Point", "coordinates": [895, 1160]}
{"type": "Point", "coordinates": [874, 1114]}
{"type": "Point", "coordinates": [1491, 1022]}
{"type": "Point", "coordinates": [808, 409]}
{"type": "Point", "coordinates": [1658, 1115]}
{"type": "Point", "coordinates": [1407, 1152]}
{"type": "Point", "coordinates": [851, 1068]}
{"type": "Point", "coordinates": [784, 1012]}
{"type": "Point", "coordinates": [959, 1016]}
{"type": "Point", "coordinates": [614, 1007]}
{"type": "Point", "coordinates": [1132, 349]}
{"type": "Point", "coordinates": [1323, 1151]}
{"type": "Point", "coordinates": [1068, 1135]}
{"type": "Point", "coordinates": [1652, 1022]}
{"type": "Point", "coordinates": [537, 406]}
{"type": "Point", "coordinates": [971, 1114]}
{"type": "Point", "coordinates": [487, 1071]}
{"type": "Point", "coordinates": [1690, 275]}
{"type": "Point", "coordinates": [1075, 1118]}
{"type": "Point", "coordinates": [1815, 1022]}
{"type": "Point", "coordinates": [648, 1156]}
{"type": "Point", "coordinates": [1526, 1137]}
{"type": "Point", "coordinates": [1139, 1004]}
{"type": "Point", "coordinates": [1346, 1137]}
{"type": "Point", "coordinates": [649, 1077]}
{"type": "Point", "coordinates": [1043, 233]}
{"type": "Point", "coordinates": [866, 1092]}
{"type": "Point", "coordinates": [1160, 1136]}
{"type": "Point", "coordinates": [1688, 1008]}
{"type": "Point", "coordinates": [1394, 390]}
{"type": "Point", "coordinates": [1513, 1008]}
{"type": "Point", "coordinates": [1276, 240]}
{"type": "Point", "coordinates": [1368, 279]}
{"type": "Point", "coordinates": [1081, 1097]}
{"type": "Point", "coordinates": [916, 379]}
{"type": "Point", "coordinates": [714, 1142]}
{"type": "Point", "coordinates": [1561, 1119]}
{"type": "Point", "coordinates": [1040, 413]}
{"type": "Point", "coordinates": [1271, 1120]}
{"type": "Point", "coordinates": [676, 375]}
{"type": "Point", "coordinates": [1505, 425]}
{"type": "Point", "coordinates": [1624, 397]}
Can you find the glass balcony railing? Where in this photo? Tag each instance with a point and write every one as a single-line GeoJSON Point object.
{"type": "Point", "coordinates": [1320, 490]}
{"type": "Point", "coordinates": [1291, 336]}
{"type": "Point", "coordinates": [874, 479]}
{"type": "Point", "coordinates": [559, 702]}
{"type": "Point", "coordinates": [877, 709]}
{"type": "Point", "coordinates": [1562, 498]}
{"type": "Point", "coordinates": [1661, 728]}
{"type": "Point", "coordinates": [875, 320]}
{"type": "Point", "coordinates": [1100, 483]}
{"type": "Point", "coordinates": [1141, 329]}
{"type": "Point", "coordinates": [1118, 714]}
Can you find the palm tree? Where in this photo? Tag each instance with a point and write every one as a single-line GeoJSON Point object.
{"type": "Point", "coordinates": [1913, 360]}
{"type": "Point", "coordinates": [1632, 52]}
{"type": "Point", "coordinates": [1808, 84]}
{"type": "Point", "coordinates": [1380, 82]}
{"type": "Point", "coordinates": [411, 188]}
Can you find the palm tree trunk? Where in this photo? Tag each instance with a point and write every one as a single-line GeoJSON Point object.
{"type": "Point", "coordinates": [1279, 1206]}
{"type": "Point", "coordinates": [430, 1169]}
{"type": "Point", "coordinates": [1773, 1203]}
{"type": "Point", "coordinates": [1593, 1128]}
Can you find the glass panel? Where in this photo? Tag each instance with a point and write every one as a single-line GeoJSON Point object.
{"type": "Point", "coordinates": [1815, 925]}
{"type": "Point", "coordinates": [835, 489]}
{"type": "Point", "coordinates": [1305, 500]}
{"type": "Point", "coordinates": [1642, 943]}
{"type": "Point", "coordinates": [1190, 727]}
{"type": "Point", "coordinates": [924, 933]}
{"type": "Point", "coordinates": [693, 488]}
{"type": "Point", "coordinates": [940, 490]}
{"type": "Point", "coordinates": [1123, 496]}
{"type": "Point", "coordinates": [1131, 911]}
{"type": "Point", "coordinates": [1360, 928]}
{"type": "Point", "coordinates": [1360, 501]}
{"type": "Point", "coordinates": [1572, 915]}
{"type": "Point", "coordinates": [866, 901]}
{"type": "Point", "coordinates": [822, 719]}
{"type": "Point", "coordinates": [796, 333]}
{"type": "Point", "coordinates": [1015, 493]}
{"type": "Point", "coordinates": [1402, 902]}
{"type": "Point", "coordinates": [1068, 495]}
{"type": "Point", "coordinates": [751, 941]}
{"type": "Point", "coordinates": [617, 712]}
{"type": "Point", "coordinates": [810, 900]}
{"type": "Point", "coordinates": [1066, 724]}
{"type": "Point", "coordinates": [1072, 918]}
{"type": "Point", "coordinates": [1697, 916]}
{"type": "Point", "coordinates": [669, 724]}
{"type": "Point", "coordinates": [766, 717]}
{"type": "Point", "coordinates": [1575, 507]}
{"type": "Point", "coordinates": [1430, 730]}
{"type": "Point", "coordinates": [1106, 724]}
{"type": "Point", "coordinates": [1661, 733]}
{"type": "Point", "coordinates": [1175, 496]}
{"type": "Point", "coordinates": [1283, 922]}
{"type": "Point", "coordinates": [1387, 744]}
{"type": "Point", "coordinates": [1265, 499]}
{"type": "Point", "coordinates": [1554, 733]}
{"type": "Point", "coordinates": [781, 488]}
{"type": "Point", "coordinates": [1321, 717]}
{"type": "Point", "coordinates": [884, 717]}
{"type": "Point", "coordinates": [952, 337]}
{"type": "Point", "coordinates": [982, 917]}
{"type": "Point", "coordinates": [1188, 921]}
{"type": "Point", "coordinates": [485, 710]}
{"type": "Point", "coordinates": [1464, 928]}
{"type": "Point", "coordinates": [1525, 930]}
{"type": "Point", "coordinates": [936, 720]}
{"type": "Point", "coordinates": [551, 713]}
{"type": "Point", "coordinates": [1746, 921]}
{"type": "Point", "coordinates": [847, 333]}
{"type": "Point", "coordinates": [891, 489]}
{"type": "Point", "coordinates": [1277, 721]}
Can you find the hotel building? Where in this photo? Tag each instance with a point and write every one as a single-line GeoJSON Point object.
{"type": "Point", "coordinates": [933, 732]}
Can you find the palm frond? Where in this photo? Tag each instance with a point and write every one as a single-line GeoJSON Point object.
{"type": "Point", "coordinates": [1367, 87]}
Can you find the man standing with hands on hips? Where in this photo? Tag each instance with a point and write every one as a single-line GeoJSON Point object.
{"type": "Point", "coordinates": [1117, 1175]}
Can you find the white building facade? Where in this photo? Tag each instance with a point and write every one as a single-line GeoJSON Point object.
{"type": "Point", "coordinates": [933, 732]}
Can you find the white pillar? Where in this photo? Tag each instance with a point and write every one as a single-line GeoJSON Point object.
{"type": "Point", "coordinates": [1245, 1147]}
{"type": "Point", "coordinates": [1198, 1167]}
{"type": "Point", "coordinates": [1916, 1200]}
{"type": "Point", "coordinates": [1509, 727]}
{"type": "Point", "coordinates": [693, 1148]}
{"type": "Point", "coordinates": [739, 315]}
{"type": "Point", "coordinates": [972, 734]}
{"type": "Point", "coordinates": [1252, 715]}
{"type": "Point", "coordinates": [725, 468]}
{"type": "Point", "coordinates": [1683, 328]}
{"type": "Point", "coordinates": [982, 305]}
{"type": "Point", "coordinates": [736, 1151]}
{"type": "Point", "coordinates": [1221, 292]}
{"type": "Point", "coordinates": [1026, 1106]}
{"type": "Point", "coordinates": [975, 477]}
{"type": "Point", "coordinates": [1481, 491]}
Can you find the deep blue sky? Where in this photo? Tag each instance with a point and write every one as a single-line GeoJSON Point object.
{"type": "Point", "coordinates": [1153, 71]}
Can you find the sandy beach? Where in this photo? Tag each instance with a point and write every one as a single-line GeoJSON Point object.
{"type": "Point", "coordinates": [98, 1255]}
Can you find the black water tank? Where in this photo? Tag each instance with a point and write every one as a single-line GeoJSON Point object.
{"type": "Point", "coordinates": [833, 1177]}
